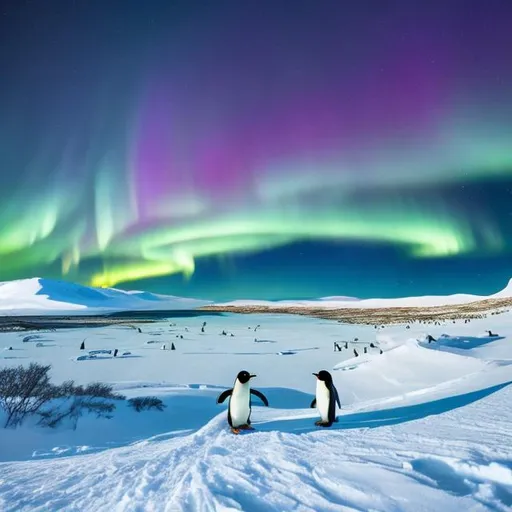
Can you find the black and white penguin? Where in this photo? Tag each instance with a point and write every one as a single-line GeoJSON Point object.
{"type": "Point", "coordinates": [325, 399]}
{"type": "Point", "coordinates": [239, 409]}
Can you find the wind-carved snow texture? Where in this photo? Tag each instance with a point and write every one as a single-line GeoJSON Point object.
{"type": "Point", "coordinates": [423, 426]}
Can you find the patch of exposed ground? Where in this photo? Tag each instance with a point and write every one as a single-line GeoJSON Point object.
{"type": "Point", "coordinates": [377, 316]}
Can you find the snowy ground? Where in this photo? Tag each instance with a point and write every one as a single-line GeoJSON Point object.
{"type": "Point", "coordinates": [422, 426]}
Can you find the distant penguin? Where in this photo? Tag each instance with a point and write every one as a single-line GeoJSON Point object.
{"type": "Point", "coordinates": [139, 329]}
{"type": "Point", "coordinates": [115, 352]}
{"type": "Point", "coordinates": [365, 350]}
{"type": "Point", "coordinates": [326, 398]}
{"type": "Point", "coordinates": [239, 409]}
{"type": "Point", "coordinates": [380, 351]}
{"type": "Point", "coordinates": [372, 345]}
{"type": "Point", "coordinates": [256, 328]}
{"type": "Point", "coordinates": [491, 333]}
{"type": "Point", "coordinates": [181, 336]}
{"type": "Point", "coordinates": [173, 347]}
{"type": "Point", "coordinates": [82, 346]}
{"type": "Point", "coordinates": [346, 344]}
{"type": "Point", "coordinates": [355, 353]}
{"type": "Point", "coordinates": [163, 347]}
{"type": "Point", "coordinates": [356, 339]}
{"type": "Point", "coordinates": [407, 327]}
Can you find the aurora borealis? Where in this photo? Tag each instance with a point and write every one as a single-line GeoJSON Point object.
{"type": "Point", "coordinates": [267, 149]}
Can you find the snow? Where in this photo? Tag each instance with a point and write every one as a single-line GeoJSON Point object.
{"type": "Point", "coordinates": [422, 427]}
{"type": "Point", "coordinates": [39, 296]}
{"type": "Point", "coordinates": [353, 302]}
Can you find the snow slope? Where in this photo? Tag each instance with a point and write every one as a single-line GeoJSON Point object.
{"type": "Point", "coordinates": [352, 302]}
{"type": "Point", "coordinates": [45, 296]}
{"type": "Point", "coordinates": [422, 426]}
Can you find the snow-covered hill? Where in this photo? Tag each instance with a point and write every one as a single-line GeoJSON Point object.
{"type": "Point", "coordinates": [46, 296]}
{"type": "Point", "coordinates": [353, 302]}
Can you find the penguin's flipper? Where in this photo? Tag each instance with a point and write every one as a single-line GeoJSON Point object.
{"type": "Point", "coordinates": [336, 396]}
{"type": "Point", "coordinates": [224, 395]}
{"type": "Point", "coordinates": [313, 403]}
{"type": "Point", "coordinates": [260, 395]}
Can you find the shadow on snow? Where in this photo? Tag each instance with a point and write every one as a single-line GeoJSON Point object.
{"type": "Point", "coordinates": [461, 342]}
{"type": "Point", "coordinates": [381, 418]}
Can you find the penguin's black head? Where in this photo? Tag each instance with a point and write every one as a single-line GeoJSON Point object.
{"type": "Point", "coordinates": [244, 376]}
{"type": "Point", "coordinates": [323, 375]}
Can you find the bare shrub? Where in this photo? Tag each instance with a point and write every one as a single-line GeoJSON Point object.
{"type": "Point", "coordinates": [26, 391]}
{"type": "Point", "coordinates": [145, 403]}
{"type": "Point", "coordinates": [23, 391]}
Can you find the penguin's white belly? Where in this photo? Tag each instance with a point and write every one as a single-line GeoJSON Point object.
{"type": "Point", "coordinates": [322, 400]}
{"type": "Point", "coordinates": [239, 406]}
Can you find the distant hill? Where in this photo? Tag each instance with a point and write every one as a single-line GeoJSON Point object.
{"type": "Point", "coordinates": [46, 296]}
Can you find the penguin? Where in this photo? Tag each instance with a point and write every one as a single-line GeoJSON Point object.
{"type": "Point", "coordinates": [139, 329]}
{"type": "Point", "coordinates": [346, 344]}
{"type": "Point", "coordinates": [326, 399]}
{"type": "Point", "coordinates": [82, 346]}
{"type": "Point", "coordinates": [355, 353]}
{"type": "Point", "coordinates": [115, 352]}
{"type": "Point", "coordinates": [239, 409]}
{"type": "Point", "coordinates": [372, 345]}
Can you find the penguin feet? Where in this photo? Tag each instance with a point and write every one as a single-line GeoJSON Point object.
{"type": "Point", "coordinates": [246, 427]}
{"type": "Point", "coordinates": [235, 430]}
{"type": "Point", "coordinates": [321, 423]}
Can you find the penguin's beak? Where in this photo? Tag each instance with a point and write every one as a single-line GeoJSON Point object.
{"type": "Point", "coordinates": [253, 376]}
{"type": "Point", "coordinates": [316, 375]}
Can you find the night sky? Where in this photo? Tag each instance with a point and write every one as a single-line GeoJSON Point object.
{"type": "Point", "coordinates": [258, 149]}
